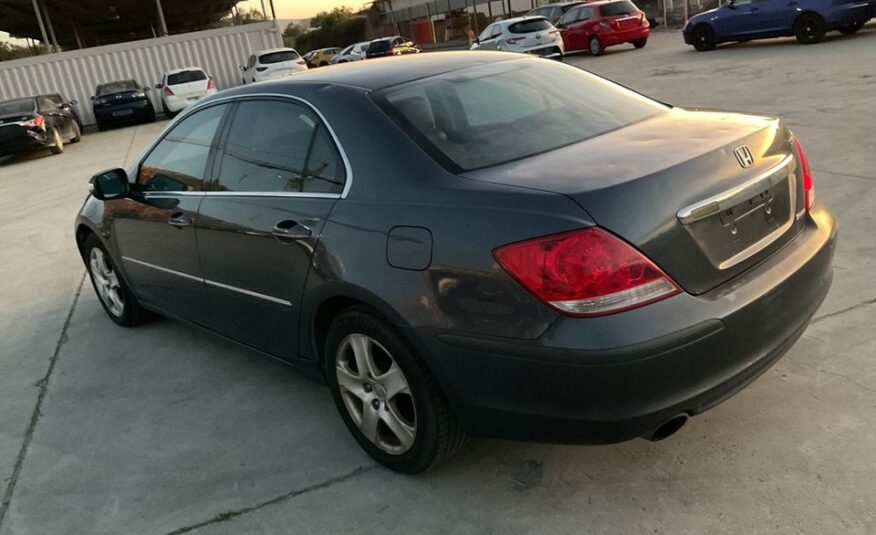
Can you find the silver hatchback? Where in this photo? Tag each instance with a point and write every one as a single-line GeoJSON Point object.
{"type": "Point", "coordinates": [533, 35]}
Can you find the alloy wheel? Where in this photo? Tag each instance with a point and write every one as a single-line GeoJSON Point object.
{"type": "Point", "coordinates": [376, 393]}
{"type": "Point", "coordinates": [106, 281]}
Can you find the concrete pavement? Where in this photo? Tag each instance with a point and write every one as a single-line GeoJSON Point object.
{"type": "Point", "coordinates": [166, 429]}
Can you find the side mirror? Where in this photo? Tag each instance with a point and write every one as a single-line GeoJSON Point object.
{"type": "Point", "coordinates": [731, 4]}
{"type": "Point", "coordinates": [147, 88]}
{"type": "Point", "coordinates": [93, 97]}
{"type": "Point", "coordinates": [158, 85]}
{"type": "Point", "coordinates": [110, 184]}
{"type": "Point", "coordinates": [242, 67]}
{"type": "Point", "coordinates": [71, 103]}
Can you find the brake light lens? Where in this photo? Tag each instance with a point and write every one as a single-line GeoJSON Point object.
{"type": "Point", "coordinates": [168, 91]}
{"type": "Point", "coordinates": [808, 184]}
{"type": "Point", "coordinates": [210, 84]}
{"type": "Point", "coordinates": [587, 272]}
{"type": "Point", "coordinates": [37, 122]}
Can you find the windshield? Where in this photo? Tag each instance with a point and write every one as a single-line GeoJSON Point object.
{"type": "Point", "coordinates": [185, 77]}
{"type": "Point", "coordinates": [500, 112]}
{"type": "Point", "coordinates": [279, 57]}
{"type": "Point", "coordinates": [117, 87]}
{"type": "Point", "coordinates": [617, 8]}
{"type": "Point", "coordinates": [17, 106]}
{"type": "Point", "coordinates": [529, 26]}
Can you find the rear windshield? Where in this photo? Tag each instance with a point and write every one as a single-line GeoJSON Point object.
{"type": "Point", "coordinates": [617, 8]}
{"type": "Point", "coordinates": [117, 87]}
{"type": "Point", "coordinates": [529, 26]}
{"type": "Point", "coordinates": [19, 105]}
{"type": "Point", "coordinates": [279, 57]}
{"type": "Point", "coordinates": [185, 77]}
{"type": "Point", "coordinates": [500, 112]}
{"type": "Point", "coordinates": [380, 46]}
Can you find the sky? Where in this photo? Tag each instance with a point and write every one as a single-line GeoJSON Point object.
{"type": "Point", "coordinates": [300, 9]}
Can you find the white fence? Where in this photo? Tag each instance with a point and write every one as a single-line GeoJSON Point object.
{"type": "Point", "coordinates": [75, 74]}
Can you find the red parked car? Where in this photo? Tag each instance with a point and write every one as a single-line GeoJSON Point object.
{"type": "Point", "coordinates": [596, 25]}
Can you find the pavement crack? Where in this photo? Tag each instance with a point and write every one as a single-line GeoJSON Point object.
{"type": "Point", "coordinates": [43, 385]}
{"type": "Point", "coordinates": [228, 515]}
{"type": "Point", "coordinates": [844, 310]}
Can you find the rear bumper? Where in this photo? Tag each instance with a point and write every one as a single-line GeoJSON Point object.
{"type": "Point", "coordinates": [611, 379]}
{"type": "Point", "coordinates": [125, 112]}
{"type": "Point", "coordinates": [850, 13]}
{"type": "Point", "coordinates": [22, 141]}
{"type": "Point", "coordinates": [626, 36]}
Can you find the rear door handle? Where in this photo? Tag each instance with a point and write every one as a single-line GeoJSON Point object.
{"type": "Point", "coordinates": [291, 230]}
{"type": "Point", "coordinates": [180, 220]}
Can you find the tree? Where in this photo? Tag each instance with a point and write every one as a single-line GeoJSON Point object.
{"type": "Point", "coordinates": [326, 19]}
{"type": "Point", "coordinates": [12, 51]}
{"type": "Point", "coordinates": [292, 33]}
{"type": "Point", "coordinates": [339, 27]}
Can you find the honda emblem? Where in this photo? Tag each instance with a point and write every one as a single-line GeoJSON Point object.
{"type": "Point", "coordinates": [743, 156]}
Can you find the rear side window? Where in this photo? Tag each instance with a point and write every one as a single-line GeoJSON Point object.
{"type": "Point", "coordinates": [278, 57]}
{"type": "Point", "coordinates": [178, 162]}
{"type": "Point", "coordinates": [529, 26]}
{"type": "Point", "coordinates": [617, 8]}
{"type": "Point", "coordinates": [185, 77]}
{"type": "Point", "coordinates": [276, 146]}
{"type": "Point", "coordinates": [487, 115]}
{"type": "Point", "coordinates": [380, 46]}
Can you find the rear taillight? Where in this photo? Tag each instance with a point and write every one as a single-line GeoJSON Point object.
{"type": "Point", "coordinates": [210, 84]}
{"type": "Point", "coordinates": [808, 184]}
{"type": "Point", "coordinates": [261, 69]}
{"type": "Point", "coordinates": [168, 91]}
{"type": "Point", "coordinates": [586, 272]}
{"type": "Point", "coordinates": [37, 122]}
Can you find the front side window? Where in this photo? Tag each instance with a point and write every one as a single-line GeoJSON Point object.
{"type": "Point", "coordinates": [584, 14]}
{"type": "Point", "coordinates": [276, 146]}
{"type": "Point", "coordinates": [179, 161]}
{"type": "Point", "coordinates": [488, 114]}
{"type": "Point", "coordinates": [569, 17]}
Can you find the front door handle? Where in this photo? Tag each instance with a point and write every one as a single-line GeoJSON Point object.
{"type": "Point", "coordinates": [179, 220]}
{"type": "Point", "coordinates": [291, 230]}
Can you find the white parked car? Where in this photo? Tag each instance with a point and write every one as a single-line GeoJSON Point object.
{"type": "Point", "coordinates": [272, 64]}
{"type": "Point", "coordinates": [352, 53]}
{"type": "Point", "coordinates": [533, 35]}
{"type": "Point", "coordinates": [181, 87]}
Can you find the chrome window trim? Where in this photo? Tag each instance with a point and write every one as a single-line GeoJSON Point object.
{"type": "Point", "coordinates": [206, 104]}
{"type": "Point", "coordinates": [210, 282]}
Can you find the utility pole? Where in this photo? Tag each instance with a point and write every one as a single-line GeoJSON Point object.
{"type": "Point", "coordinates": [264, 13]}
{"type": "Point", "coordinates": [36, 9]}
{"type": "Point", "coordinates": [55, 46]}
{"type": "Point", "coordinates": [162, 26]}
{"type": "Point", "coordinates": [273, 13]}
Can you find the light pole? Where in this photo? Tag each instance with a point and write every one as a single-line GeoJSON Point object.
{"type": "Point", "coordinates": [162, 26]}
{"type": "Point", "coordinates": [36, 9]}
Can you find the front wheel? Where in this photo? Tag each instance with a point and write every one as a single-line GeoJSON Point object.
{"type": "Point", "coordinates": [114, 295]}
{"type": "Point", "coordinates": [387, 397]}
{"type": "Point", "coordinates": [704, 38]}
{"type": "Point", "coordinates": [809, 28]}
{"type": "Point", "coordinates": [851, 28]}
{"type": "Point", "coordinates": [640, 43]}
{"type": "Point", "coordinates": [77, 133]}
{"type": "Point", "coordinates": [596, 47]}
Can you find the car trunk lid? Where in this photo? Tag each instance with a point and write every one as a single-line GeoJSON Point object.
{"type": "Point", "coordinates": [673, 186]}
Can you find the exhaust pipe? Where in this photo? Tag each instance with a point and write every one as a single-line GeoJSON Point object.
{"type": "Point", "coordinates": [667, 428]}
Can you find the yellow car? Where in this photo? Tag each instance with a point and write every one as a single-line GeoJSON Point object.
{"type": "Point", "coordinates": [321, 57]}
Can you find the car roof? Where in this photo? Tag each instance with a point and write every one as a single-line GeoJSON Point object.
{"type": "Point", "coordinates": [508, 22]}
{"type": "Point", "coordinates": [384, 38]}
{"type": "Point", "coordinates": [392, 71]}
{"type": "Point", "coordinates": [269, 50]}
{"type": "Point", "coordinates": [184, 69]}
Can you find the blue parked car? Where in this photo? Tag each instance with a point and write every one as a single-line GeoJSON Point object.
{"type": "Point", "coordinates": [744, 20]}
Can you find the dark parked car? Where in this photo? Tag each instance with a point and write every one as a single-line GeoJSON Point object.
{"type": "Point", "coordinates": [391, 46]}
{"type": "Point", "coordinates": [588, 268]}
{"type": "Point", "coordinates": [744, 20]}
{"type": "Point", "coordinates": [122, 102]}
{"type": "Point", "coordinates": [40, 122]}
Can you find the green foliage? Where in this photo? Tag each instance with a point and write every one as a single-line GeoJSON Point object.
{"type": "Point", "coordinates": [292, 33]}
{"type": "Point", "coordinates": [11, 51]}
{"type": "Point", "coordinates": [339, 27]}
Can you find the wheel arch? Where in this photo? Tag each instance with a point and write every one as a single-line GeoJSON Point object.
{"type": "Point", "coordinates": [805, 13]}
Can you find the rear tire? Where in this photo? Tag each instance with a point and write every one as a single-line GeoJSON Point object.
{"type": "Point", "coordinates": [596, 47]}
{"type": "Point", "coordinates": [809, 28]}
{"type": "Point", "coordinates": [114, 295]}
{"type": "Point", "coordinates": [57, 146]}
{"type": "Point", "coordinates": [169, 114]}
{"type": "Point", "coordinates": [849, 29]}
{"type": "Point", "coordinates": [323, 63]}
{"type": "Point", "coordinates": [704, 38]}
{"type": "Point", "coordinates": [640, 43]}
{"type": "Point", "coordinates": [386, 385]}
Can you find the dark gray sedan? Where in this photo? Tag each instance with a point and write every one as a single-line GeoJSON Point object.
{"type": "Point", "coordinates": [473, 244]}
